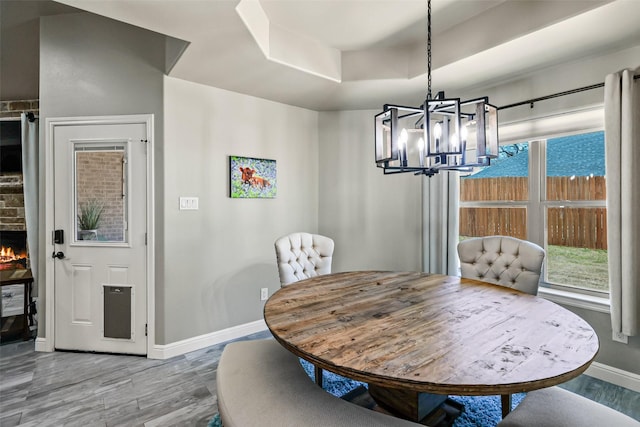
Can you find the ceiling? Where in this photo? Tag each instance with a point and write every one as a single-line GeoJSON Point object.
{"type": "Point", "coordinates": [360, 54]}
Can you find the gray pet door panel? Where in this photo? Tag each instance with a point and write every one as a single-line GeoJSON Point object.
{"type": "Point", "coordinates": [117, 312]}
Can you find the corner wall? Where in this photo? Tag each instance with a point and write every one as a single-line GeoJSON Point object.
{"type": "Point", "coordinates": [375, 220]}
{"type": "Point", "coordinates": [95, 66]}
{"type": "Point", "coordinates": [216, 258]}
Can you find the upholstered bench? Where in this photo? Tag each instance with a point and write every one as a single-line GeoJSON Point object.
{"type": "Point", "coordinates": [556, 407]}
{"type": "Point", "coordinates": [262, 384]}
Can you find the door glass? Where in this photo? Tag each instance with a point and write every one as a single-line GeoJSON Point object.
{"type": "Point", "coordinates": [100, 193]}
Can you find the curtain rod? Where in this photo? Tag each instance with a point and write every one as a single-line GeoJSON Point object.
{"type": "Point", "coordinates": [556, 95]}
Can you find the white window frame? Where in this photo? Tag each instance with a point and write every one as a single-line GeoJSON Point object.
{"type": "Point", "coordinates": [536, 208]}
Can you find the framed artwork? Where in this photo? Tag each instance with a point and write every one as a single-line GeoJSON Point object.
{"type": "Point", "coordinates": [251, 178]}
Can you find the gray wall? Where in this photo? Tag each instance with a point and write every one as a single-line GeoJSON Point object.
{"type": "Point", "coordinates": [90, 66]}
{"type": "Point", "coordinates": [19, 44]}
{"type": "Point", "coordinates": [217, 258]}
{"type": "Point", "coordinates": [572, 75]}
{"type": "Point", "coordinates": [374, 219]}
{"type": "Point", "coordinates": [20, 57]}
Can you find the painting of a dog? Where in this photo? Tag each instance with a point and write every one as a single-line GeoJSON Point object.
{"type": "Point", "coordinates": [251, 177]}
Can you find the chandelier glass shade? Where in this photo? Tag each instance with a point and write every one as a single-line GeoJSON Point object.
{"type": "Point", "coordinates": [442, 134]}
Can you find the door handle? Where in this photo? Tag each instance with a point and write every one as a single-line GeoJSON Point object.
{"type": "Point", "coordinates": [59, 255]}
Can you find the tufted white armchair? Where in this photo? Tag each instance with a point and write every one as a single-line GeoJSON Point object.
{"type": "Point", "coordinates": [303, 255]}
{"type": "Point", "coordinates": [502, 260]}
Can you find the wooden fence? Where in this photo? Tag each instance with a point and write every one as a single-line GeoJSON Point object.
{"type": "Point", "coordinates": [478, 222]}
{"type": "Point", "coordinates": [575, 227]}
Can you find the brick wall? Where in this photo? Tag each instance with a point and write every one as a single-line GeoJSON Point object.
{"type": "Point", "coordinates": [99, 177]}
{"type": "Point", "coordinates": [11, 190]}
{"type": "Point", "coordinates": [14, 108]}
{"type": "Point", "coordinates": [11, 202]}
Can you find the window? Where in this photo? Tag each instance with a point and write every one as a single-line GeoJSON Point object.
{"type": "Point", "coordinates": [551, 192]}
{"type": "Point", "coordinates": [100, 198]}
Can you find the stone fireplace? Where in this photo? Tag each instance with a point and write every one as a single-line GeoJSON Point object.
{"type": "Point", "coordinates": [13, 248]}
{"type": "Point", "coordinates": [18, 308]}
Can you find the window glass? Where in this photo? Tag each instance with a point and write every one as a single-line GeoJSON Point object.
{"type": "Point", "coordinates": [576, 227]}
{"type": "Point", "coordinates": [505, 179]}
{"type": "Point", "coordinates": [577, 248]}
{"type": "Point", "coordinates": [550, 192]}
{"type": "Point", "coordinates": [100, 196]}
{"type": "Point", "coordinates": [575, 167]}
{"type": "Point", "coordinates": [480, 222]}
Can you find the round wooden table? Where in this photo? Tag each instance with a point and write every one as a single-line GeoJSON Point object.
{"type": "Point", "coordinates": [405, 333]}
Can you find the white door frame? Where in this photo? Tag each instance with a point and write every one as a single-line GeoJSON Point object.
{"type": "Point", "coordinates": [47, 343]}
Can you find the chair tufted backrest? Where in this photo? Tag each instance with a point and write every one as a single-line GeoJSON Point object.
{"type": "Point", "coordinates": [502, 260]}
{"type": "Point", "coordinates": [303, 255]}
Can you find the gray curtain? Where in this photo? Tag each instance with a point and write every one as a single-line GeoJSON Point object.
{"type": "Point", "coordinates": [622, 139]}
{"type": "Point", "coordinates": [30, 178]}
{"type": "Point", "coordinates": [440, 223]}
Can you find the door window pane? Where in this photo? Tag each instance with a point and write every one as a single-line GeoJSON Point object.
{"type": "Point", "coordinates": [100, 197]}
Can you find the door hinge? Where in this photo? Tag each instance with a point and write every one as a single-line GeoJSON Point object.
{"type": "Point", "coordinates": [145, 239]}
{"type": "Point", "coordinates": [146, 329]}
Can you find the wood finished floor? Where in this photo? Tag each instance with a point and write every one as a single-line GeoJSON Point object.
{"type": "Point", "coordinates": [87, 389]}
{"type": "Point", "coordinates": [84, 389]}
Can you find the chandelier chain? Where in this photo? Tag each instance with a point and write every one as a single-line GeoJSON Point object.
{"type": "Point", "coordinates": [434, 137]}
{"type": "Point", "coordinates": [428, 49]}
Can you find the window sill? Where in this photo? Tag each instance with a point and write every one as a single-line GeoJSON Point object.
{"type": "Point", "coordinates": [575, 299]}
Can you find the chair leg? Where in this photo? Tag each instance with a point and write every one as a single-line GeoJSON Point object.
{"type": "Point", "coordinates": [318, 375]}
{"type": "Point", "coordinates": [506, 404]}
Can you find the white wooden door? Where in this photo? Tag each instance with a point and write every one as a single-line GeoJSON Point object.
{"type": "Point", "coordinates": [100, 273]}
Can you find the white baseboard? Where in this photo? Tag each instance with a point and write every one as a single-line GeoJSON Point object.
{"type": "Point", "coordinates": [42, 345]}
{"type": "Point", "coordinates": [185, 346]}
{"type": "Point", "coordinates": [615, 376]}
{"type": "Point", "coordinates": [196, 343]}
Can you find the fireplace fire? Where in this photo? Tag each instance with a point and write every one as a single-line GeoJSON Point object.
{"type": "Point", "coordinates": [13, 250]}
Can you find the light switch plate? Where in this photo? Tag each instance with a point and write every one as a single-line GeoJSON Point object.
{"type": "Point", "coordinates": [188, 203]}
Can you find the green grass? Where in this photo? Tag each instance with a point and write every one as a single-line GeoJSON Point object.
{"type": "Point", "coordinates": [584, 268]}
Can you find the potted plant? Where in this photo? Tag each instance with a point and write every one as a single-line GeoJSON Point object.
{"type": "Point", "coordinates": [89, 219]}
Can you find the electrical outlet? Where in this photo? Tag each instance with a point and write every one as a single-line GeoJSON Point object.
{"type": "Point", "coordinates": [264, 294]}
{"type": "Point", "coordinates": [620, 337]}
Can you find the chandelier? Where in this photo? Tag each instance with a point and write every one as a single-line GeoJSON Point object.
{"type": "Point", "coordinates": [442, 134]}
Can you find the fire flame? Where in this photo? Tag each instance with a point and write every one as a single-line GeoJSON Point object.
{"type": "Point", "coordinates": [7, 255]}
